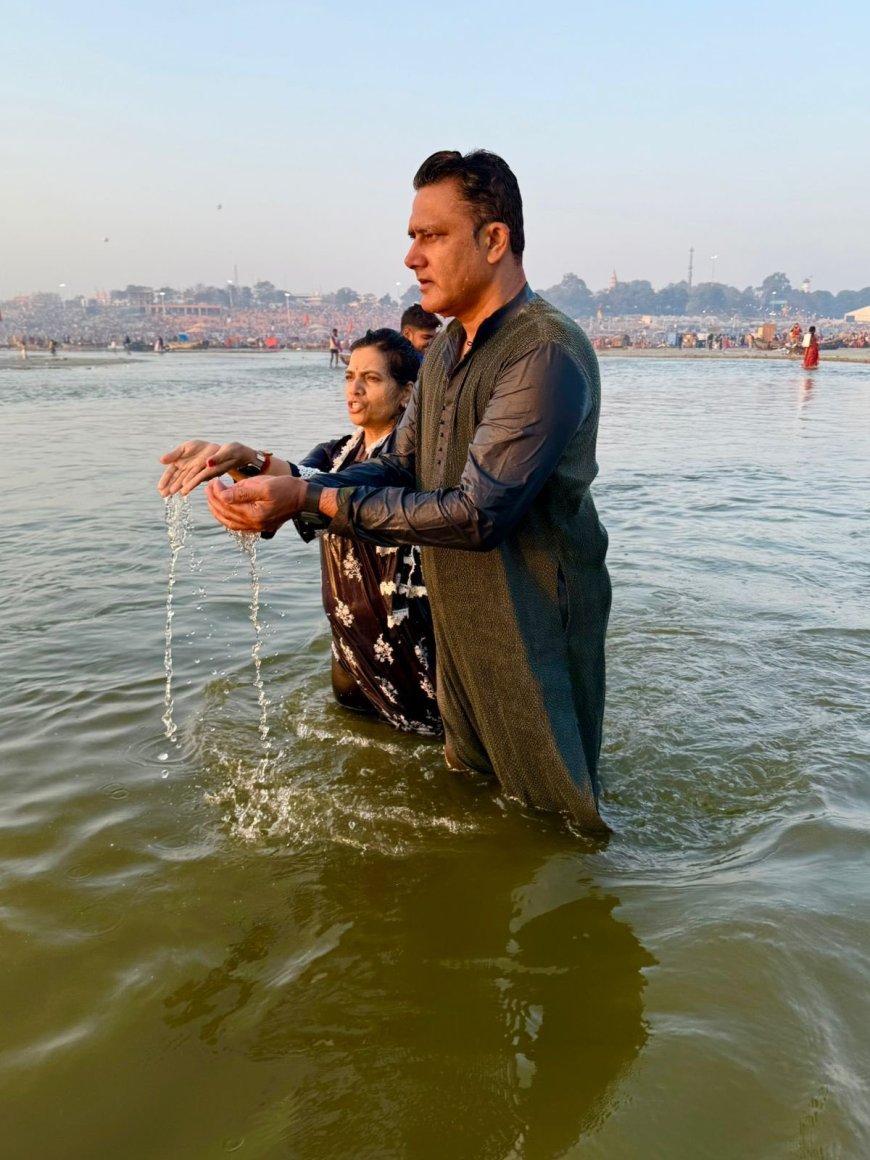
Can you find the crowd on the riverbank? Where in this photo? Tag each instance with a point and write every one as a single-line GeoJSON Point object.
{"type": "Point", "coordinates": [41, 319]}
{"type": "Point", "coordinates": [36, 321]}
{"type": "Point", "coordinates": [836, 337]}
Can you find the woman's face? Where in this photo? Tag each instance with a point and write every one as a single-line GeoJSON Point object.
{"type": "Point", "coordinates": [374, 399]}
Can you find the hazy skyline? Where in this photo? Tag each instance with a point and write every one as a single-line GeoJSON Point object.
{"type": "Point", "coordinates": [635, 133]}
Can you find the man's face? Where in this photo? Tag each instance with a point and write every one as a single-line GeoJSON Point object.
{"type": "Point", "coordinates": [420, 337]}
{"type": "Point", "coordinates": [448, 258]}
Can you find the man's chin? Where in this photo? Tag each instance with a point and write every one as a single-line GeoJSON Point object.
{"type": "Point", "coordinates": [430, 299]}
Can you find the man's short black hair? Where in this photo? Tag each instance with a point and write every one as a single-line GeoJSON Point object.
{"type": "Point", "coordinates": [402, 359]}
{"type": "Point", "coordinates": [487, 184]}
{"type": "Point", "coordinates": [419, 318]}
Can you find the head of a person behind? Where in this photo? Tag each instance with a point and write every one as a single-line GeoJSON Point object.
{"type": "Point", "coordinates": [378, 381]}
{"type": "Point", "coordinates": [466, 231]}
{"type": "Point", "coordinates": [419, 326]}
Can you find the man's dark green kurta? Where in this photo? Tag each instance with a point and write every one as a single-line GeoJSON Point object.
{"type": "Point", "coordinates": [490, 473]}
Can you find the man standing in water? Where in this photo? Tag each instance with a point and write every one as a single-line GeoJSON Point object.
{"type": "Point", "coordinates": [334, 347]}
{"type": "Point", "coordinates": [489, 473]}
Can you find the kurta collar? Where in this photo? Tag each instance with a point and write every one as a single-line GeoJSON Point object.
{"type": "Point", "coordinates": [453, 357]}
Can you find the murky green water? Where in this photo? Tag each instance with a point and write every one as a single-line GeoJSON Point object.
{"type": "Point", "coordinates": [334, 948]}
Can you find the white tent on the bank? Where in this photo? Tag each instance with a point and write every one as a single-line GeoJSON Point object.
{"type": "Point", "coordinates": [862, 315]}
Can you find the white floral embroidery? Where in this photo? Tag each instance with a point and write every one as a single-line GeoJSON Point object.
{"type": "Point", "coordinates": [334, 650]}
{"type": "Point", "coordinates": [428, 730]}
{"type": "Point", "coordinates": [343, 613]}
{"type": "Point", "coordinates": [385, 551]}
{"type": "Point", "coordinates": [422, 654]}
{"type": "Point", "coordinates": [387, 587]}
{"type": "Point", "coordinates": [351, 567]}
{"type": "Point", "coordinates": [306, 472]}
{"type": "Point", "coordinates": [426, 686]}
{"type": "Point", "coordinates": [394, 618]}
{"type": "Point", "coordinates": [388, 690]}
{"type": "Point", "coordinates": [383, 651]}
{"type": "Point", "coordinates": [349, 655]}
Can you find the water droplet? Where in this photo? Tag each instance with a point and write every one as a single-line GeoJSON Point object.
{"type": "Point", "coordinates": [162, 756]}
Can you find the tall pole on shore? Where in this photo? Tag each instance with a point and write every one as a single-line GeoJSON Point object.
{"type": "Point", "coordinates": [691, 263]}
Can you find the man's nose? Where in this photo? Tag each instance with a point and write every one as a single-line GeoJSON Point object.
{"type": "Point", "coordinates": [412, 258]}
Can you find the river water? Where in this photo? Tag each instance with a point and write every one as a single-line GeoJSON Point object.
{"type": "Point", "coordinates": [323, 944]}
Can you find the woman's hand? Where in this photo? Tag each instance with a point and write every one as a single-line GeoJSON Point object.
{"type": "Point", "coordinates": [194, 462]}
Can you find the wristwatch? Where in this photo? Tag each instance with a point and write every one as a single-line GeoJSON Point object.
{"type": "Point", "coordinates": [262, 459]}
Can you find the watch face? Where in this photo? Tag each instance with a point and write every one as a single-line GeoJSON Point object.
{"type": "Point", "coordinates": [249, 470]}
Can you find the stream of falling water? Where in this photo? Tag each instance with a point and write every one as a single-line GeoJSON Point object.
{"type": "Point", "coordinates": [178, 525]}
{"type": "Point", "coordinates": [247, 543]}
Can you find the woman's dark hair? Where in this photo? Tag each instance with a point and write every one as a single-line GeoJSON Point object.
{"type": "Point", "coordinates": [402, 359]}
{"type": "Point", "coordinates": [487, 184]}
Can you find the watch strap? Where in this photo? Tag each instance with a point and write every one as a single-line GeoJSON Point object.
{"type": "Point", "coordinates": [311, 503]}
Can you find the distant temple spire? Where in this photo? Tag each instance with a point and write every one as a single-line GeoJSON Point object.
{"type": "Point", "coordinates": [614, 281]}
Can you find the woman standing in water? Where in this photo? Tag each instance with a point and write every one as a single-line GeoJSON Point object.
{"type": "Point", "coordinates": [383, 649]}
{"type": "Point", "coordinates": [811, 349]}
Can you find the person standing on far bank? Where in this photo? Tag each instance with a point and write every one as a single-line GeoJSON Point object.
{"type": "Point", "coordinates": [334, 347]}
{"type": "Point", "coordinates": [489, 472]}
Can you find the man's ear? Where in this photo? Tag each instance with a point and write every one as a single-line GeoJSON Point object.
{"type": "Point", "coordinates": [497, 238]}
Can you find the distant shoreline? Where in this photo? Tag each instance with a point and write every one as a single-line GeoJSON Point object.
{"type": "Point", "coordinates": [843, 354]}
{"type": "Point", "coordinates": [97, 358]}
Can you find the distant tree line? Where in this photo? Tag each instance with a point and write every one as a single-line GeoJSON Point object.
{"type": "Point", "coordinates": [571, 295]}
{"type": "Point", "coordinates": [574, 297]}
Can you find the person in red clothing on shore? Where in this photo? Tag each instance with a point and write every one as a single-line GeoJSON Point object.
{"type": "Point", "coordinates": [811, 349]}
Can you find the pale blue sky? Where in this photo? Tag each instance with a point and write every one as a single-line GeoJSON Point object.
{"type": "Point", "coordinates": [636, 131]}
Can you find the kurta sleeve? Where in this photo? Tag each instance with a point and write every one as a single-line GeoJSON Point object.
{"type": "Point", "coordinates": [538, 404]}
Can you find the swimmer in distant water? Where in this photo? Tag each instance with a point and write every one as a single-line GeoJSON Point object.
{"type": "Point", "coordinates": [334, 347]}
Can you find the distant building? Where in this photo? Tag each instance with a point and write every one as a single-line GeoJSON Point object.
{"type": "Point", "coordinates": [614, 281]}
{"type": "Point", "coordinates": [184, 310]}
{"type": "Point", "coordinates": [862, 315]}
